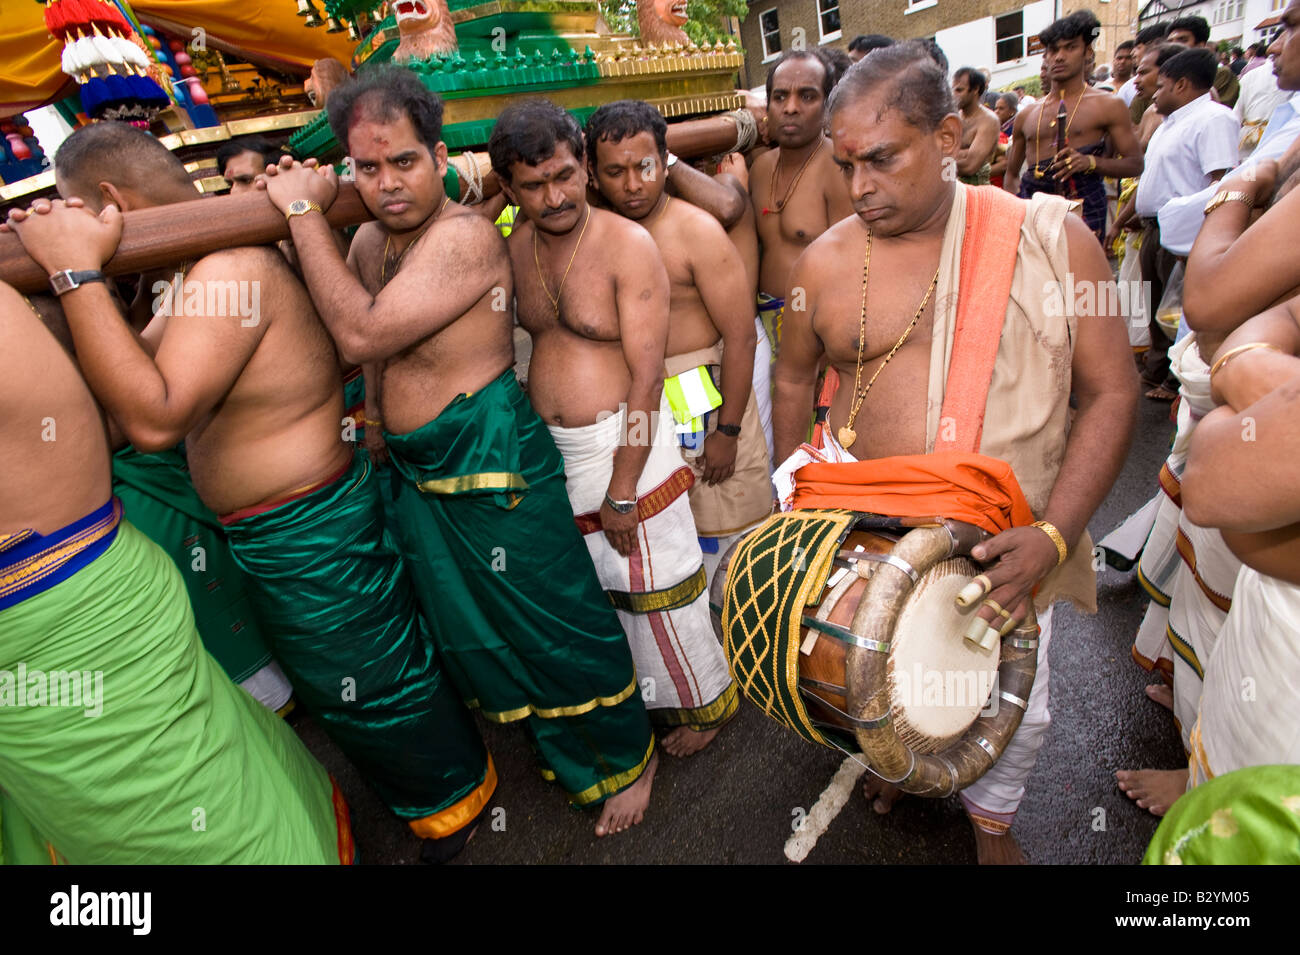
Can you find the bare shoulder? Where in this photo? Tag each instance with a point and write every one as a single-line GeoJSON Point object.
{"type": "Point", "coordinates": [826, 252]}
{"type": "Point", "coordinates": [368, 240]}
{"type": "Point", "coordinates": [242, 262]}
{"type": "Point", "coordinates": [1111, 104]}
{"type": "Point", "coordinates": [469, 238]}
{"type": "Point", "coordinates": [695, 224]}
{"type": "Point", "coordinates": [622, 234]}
{"type": "Point", "coordinates": [988, 117]}
{"type": "Point", "coordinates": [15, 328]}
{"type": "Point", "coordinates": [764, 164]}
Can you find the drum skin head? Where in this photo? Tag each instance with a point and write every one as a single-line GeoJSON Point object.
{"type": "Point", "coordinates": [938, 681]}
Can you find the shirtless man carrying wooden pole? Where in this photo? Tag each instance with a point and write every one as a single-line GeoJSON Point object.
{"type": "Point", "coordinates": [254, 392]}
{"type": "Point", "coordinates": [520, 619]}
{"type": "Point", "coordinates": [796, 190]}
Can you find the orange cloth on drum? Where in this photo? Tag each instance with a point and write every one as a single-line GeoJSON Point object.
{"type": "Point", "coordinates": [957, 485]}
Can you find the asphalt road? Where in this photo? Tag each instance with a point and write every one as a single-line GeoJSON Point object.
{"type": "Point", "coordinates": [738, 801]}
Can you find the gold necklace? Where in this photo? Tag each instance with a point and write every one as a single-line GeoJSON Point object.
{"type": "Point", "coordinates": [771, 189]}
{"type": "Point", "coordinates": [555, 299]}
{"type": "Point", "coordinates": [1038, 125]}
{"type": "Point", "coordinates": [388, 242]}
{"type": "Point", "coordinates": [846, 434]}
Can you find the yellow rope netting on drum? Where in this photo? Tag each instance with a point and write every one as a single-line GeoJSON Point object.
{"type": "Point", "coordinates": [776, 571]}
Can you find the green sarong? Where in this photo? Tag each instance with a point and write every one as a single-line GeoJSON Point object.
{"type": "Point", "coordinates": [336, 598]}
{"type": "Point", "coordinates": [505, 579]}
{"type": "Point", "coordinates": [1247, 817]}
{"type": "Point", "coordinates": [354, 403]}
{"type": "Point", "coordinates": [159, 499]}
{"type": "Point", "coordinates": [166, 761]}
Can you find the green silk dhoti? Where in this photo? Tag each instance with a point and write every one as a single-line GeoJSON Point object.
{"type": "Point", "coordinates": [179, 765]}
{"type": "Point", "coordinates": [522, 623]}
{"type": "Point", "coordinates": [336, 598]}
{"type": "Point", "coordinates": [159, 499]}
{"type": "Point", "coordinates": [354, 403]}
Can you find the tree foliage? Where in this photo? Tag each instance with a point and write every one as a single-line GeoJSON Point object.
{"type": "Point", "coordinates": [706, 24]}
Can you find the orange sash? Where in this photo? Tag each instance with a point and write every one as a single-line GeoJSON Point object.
{"type": "Point", "coordinates": [988, 264]}
{"type": "Point", "coordinates": [959, 485]}
{"type": "Point", "coordinates": [954, 481]}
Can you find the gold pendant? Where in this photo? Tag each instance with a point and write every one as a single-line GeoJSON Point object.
{"type": "Point", "coordinates": [847, 436]}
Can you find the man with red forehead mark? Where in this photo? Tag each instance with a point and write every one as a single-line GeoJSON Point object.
{"type": "Point", "coordinates": [938, 307]}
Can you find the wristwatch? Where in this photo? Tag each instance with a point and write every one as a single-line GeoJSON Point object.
{"type": "Point", "coordinates": [1224, 197]}
{"type": "Point", "coordinates": [623, 507]}
{"type": "Point", "coordinates": [730, 430]}
{"type": "Point", "coordinates": [66, 279]}
{"type": "Point", "coordinates": [300, 207]}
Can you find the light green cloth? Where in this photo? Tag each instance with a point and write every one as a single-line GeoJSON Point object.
{"type": "Point", "coordinates": [159, 499]}
{"type": "Point", "coordinates": [1247, 817]}
{"type": "Point", "coordinates": [181, 766]}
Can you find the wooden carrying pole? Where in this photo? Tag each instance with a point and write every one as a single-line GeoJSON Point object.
{"type": "Point", "coordinates": [165, 235]}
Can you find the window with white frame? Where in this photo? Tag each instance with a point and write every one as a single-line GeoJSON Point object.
{"type": "Point", "coordinates": [1009, 36]}
{"type": "Point", "coordinates": [919, 5]}
{"type": "Point", "coordinates": [770, 26]}
{"type": "Point", "coordinates": [828, 19]}
{"type": "Point", "coordinates": [1226, 10]}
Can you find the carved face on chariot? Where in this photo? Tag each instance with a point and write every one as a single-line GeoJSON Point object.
{"type": "Point", "coordinates": [672, 12]}
{"type": "Point", "coordinates": [425, 29]}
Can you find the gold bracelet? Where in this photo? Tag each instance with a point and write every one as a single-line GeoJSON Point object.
{"type": "Point", "coordinates": [1050, 530]}
{"type": "Point", "coordinates": [1231, 352]}
{"type": "Point", "coordinates": [1093, 167]}
{"type": "Point", "coordinates": [371, 422]}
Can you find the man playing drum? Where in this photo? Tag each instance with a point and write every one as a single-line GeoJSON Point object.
{"type": "Point", "coordinates": [894, 129]}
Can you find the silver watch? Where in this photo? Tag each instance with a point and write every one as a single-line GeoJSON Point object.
{"type": "Point", "coordinates": [623, 507]}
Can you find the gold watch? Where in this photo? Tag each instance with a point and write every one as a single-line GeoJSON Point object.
{"type": "Point", "coordinates": [1223, 197]}
{"type": "Point", "coordinates": [300, 207]}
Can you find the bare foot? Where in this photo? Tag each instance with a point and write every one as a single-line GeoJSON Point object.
{"type": "Point", "coordinates": [996, 850]}
{"type": "Point", "coordinates": [685, 741]}
{"type": "Point", "coordinates": [1153, 789]}
{"type": "Point", "coordinates": [880, 794]}
{"type": "Point", "coordinates": [1161, 693]}
{"type": "Point", "coordinates": [628, 807]}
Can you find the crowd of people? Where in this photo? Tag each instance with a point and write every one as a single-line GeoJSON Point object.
{"type": "Point", "coordinates": [488, 456]}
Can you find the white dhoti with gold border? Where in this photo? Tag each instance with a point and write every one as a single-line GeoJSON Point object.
{"type": "Point", "coordinates": [659, 590]}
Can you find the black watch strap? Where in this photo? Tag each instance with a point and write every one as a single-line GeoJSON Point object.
{"type": "Point", "coordinates": [66, 280]}
{"type": "Point", "coordinates": [730, 430]}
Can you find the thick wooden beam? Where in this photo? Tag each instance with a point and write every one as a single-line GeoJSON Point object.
{"type": "Point", "coordinates": [167, 235]}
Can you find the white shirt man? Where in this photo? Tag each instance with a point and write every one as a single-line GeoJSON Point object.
{"type": "Point", "coordinates": [1181, 218]}
{"type": "Point", "coordinates": [1259, 96]}
{"type": "Point", "coordinates": [1128, 90]}
{"type": "Point", "coordinates": [1195, 140]}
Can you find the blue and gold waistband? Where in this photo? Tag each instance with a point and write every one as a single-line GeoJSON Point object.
{"type": "Point", "coordinates": [32, 563]}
